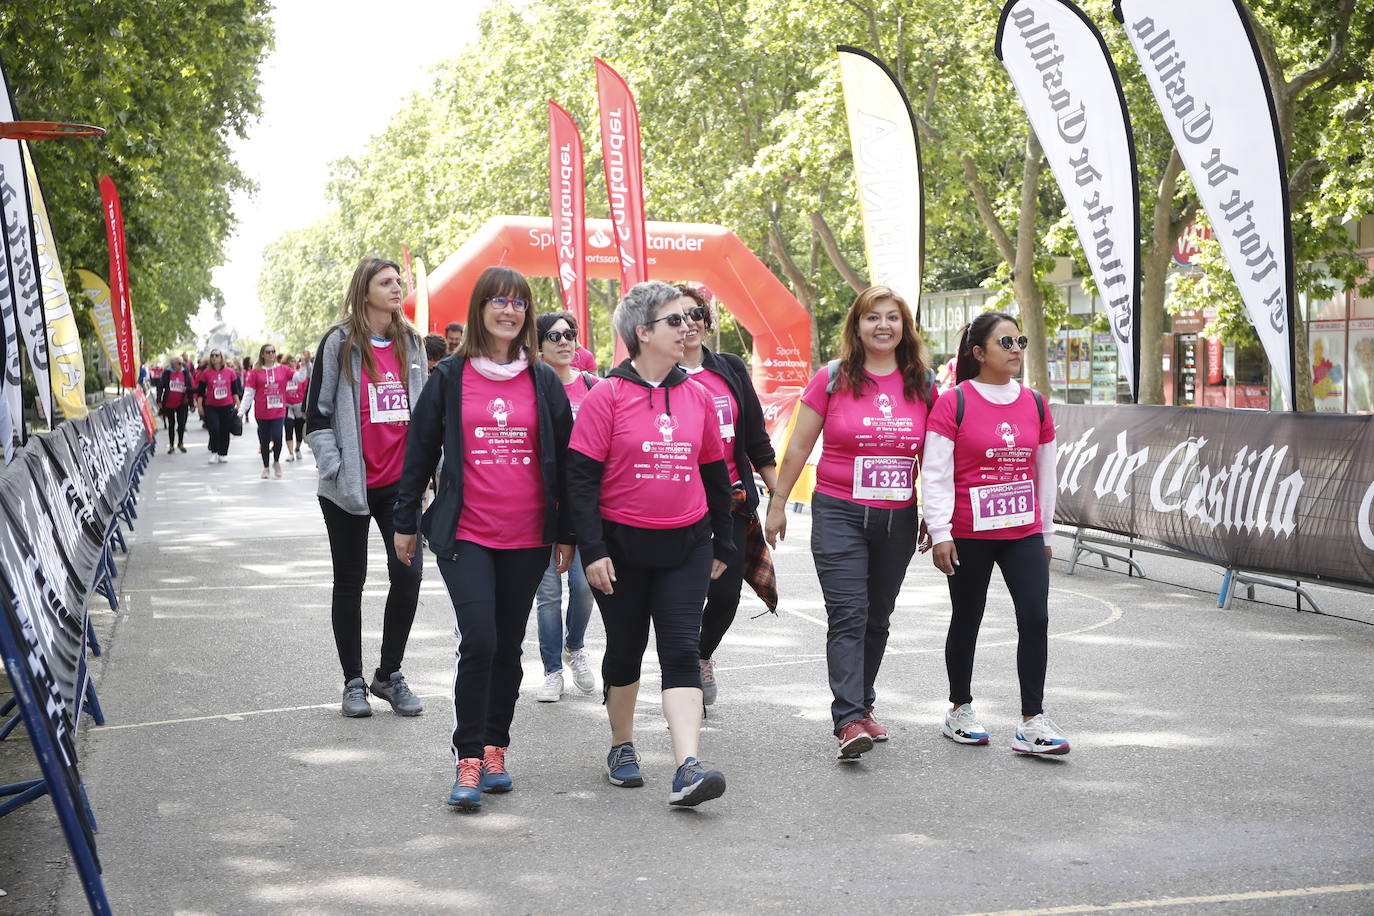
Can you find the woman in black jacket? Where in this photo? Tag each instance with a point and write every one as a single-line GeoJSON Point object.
{"type": "Point", "coordinates": [747, 449]}
{"type": "Point", "coordinates": [502, 421]}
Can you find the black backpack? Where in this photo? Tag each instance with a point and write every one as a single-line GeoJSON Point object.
{"type": "Point", "coordinates": [832, 368]}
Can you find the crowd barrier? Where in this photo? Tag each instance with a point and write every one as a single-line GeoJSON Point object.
{"type": "Point", "coordinates": [62, 500]}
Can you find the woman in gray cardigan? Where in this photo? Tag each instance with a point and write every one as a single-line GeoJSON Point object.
{"type": "Point", "coordinates": [369, 369]}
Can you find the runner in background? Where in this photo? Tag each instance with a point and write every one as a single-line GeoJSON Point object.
{"type": "Point", "coordinates": [584, 360]}
{"type": "Point", "coordinates": [175, 392]}
{"type": "Point", "coordinates": [650, 497]}
{"type": "Point", "coordinates": [872, 404]}
{"type": "Point", "coordinates": [453, 336]}
{"type": "Point", "coordinates": [265, 390]}
{"type": "Point", "coordinates": [747, 449]}
{"type": "Point", "coordinates": [220, 391]}
{"type": "Point", "coordinates": [989, 491]}
{"type": "Point", "coordinates": [557, 335]}
{"type": "Point", "coordinates": [502, 421]}
{"type": "Point", "coordinates": [436, 348]}
{"type": "Point", "coordinates": [295, 407]}
{"type": "Point", "coordinates": [195, 386]}
{"type": "Point", "coordinates": [244, 371]}
{"type": "Point", "coordinates": [370, 367]}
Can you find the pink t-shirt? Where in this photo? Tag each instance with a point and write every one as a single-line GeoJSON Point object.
{"type": "Point", "coordinates": [503, 482]}
{"type": "Point", "coordinates": [219, 386]}
{"type": "Point", "coordinates": [384, 409]}
{"type": "Point", "coordinates": [994, 463]}
{"type": "Point", "coordinates": [584, 360]}
{"type": "Point", "coordinates": [578, 391]}
{"type": "Point", "coordinates": [295, 386]}
{"type": "Point", "coordinates": [872, 441]}
{"type": "Point", "coordinates": [652, 458]}
{"type": "Point", "coordinates": [727, 414]}
{"type": "Point", "coordinates": [269, 391]}
{"type": "Point", "coordinates": [178, 390]}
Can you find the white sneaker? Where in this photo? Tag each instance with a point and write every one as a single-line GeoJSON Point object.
{"type": "Point", "coordinates": [223, 459]}
{"type": "Point", "coordinates": [962, 726]}
{"type": "Point", "coordinates": [1038, 735]}
{"type": "Point", "coordinates": [214, 459]}
{"type": "Point", "coordinates": [276, 469]}
{"type": "Point", "coordinates": [552, 691]}
{"type": "Point", "coordinates": [264, 473]}
{"type": "Point", "coordinates": [708, 681]}
{"type": "Point", "coordinates": [583, 678]}
{"type": "Point", "coordinates": [290, 457]}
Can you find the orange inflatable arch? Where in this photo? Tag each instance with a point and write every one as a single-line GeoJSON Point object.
{"type": "Point", "coordinates": [699, 252]}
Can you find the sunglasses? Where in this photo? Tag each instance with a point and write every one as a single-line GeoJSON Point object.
{"type": "Point", "coordinates": [699, 313]}
{"type": "Point", "coordinates": [1007, 341]}
{"type": "Point", "coordinates": [674, 320]}
{"type": "Point", "coordinates": [503, 302]}
{"type": "Point", "coordinates": [554, 337]}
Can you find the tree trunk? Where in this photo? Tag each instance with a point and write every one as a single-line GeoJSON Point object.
{"type": "Point", "coordinates": [803, 290]}
{"type": "Point", "coordinates": [1154, 270]}
{"type": "Point", "coordinates": [837, 258]}
{"type": "Point", "coordinates": [1028, 296]}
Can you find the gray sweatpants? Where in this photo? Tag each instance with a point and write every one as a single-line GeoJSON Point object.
{"type": "Point", "coordinates": [861, 556]}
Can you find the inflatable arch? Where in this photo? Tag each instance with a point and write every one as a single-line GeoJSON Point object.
{"type": "Point", "coordinates": [698, 252]}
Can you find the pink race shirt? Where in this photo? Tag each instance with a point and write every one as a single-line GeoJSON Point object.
{"type": "Point", "coordinates": [503, 483]}
{"type": "Point", "coordinates": [219, 386]}
{"type": "Point", "coordinates": [872, 441]}
{"type": "Point", "coordinates": [384, 409]}
{"type": "Point", "coordinates": [994, 463]}
{"type": "Point", "coordinates": [577, 393]}
{"type": "Point", "coordinates": [269, 391]}
{"type": "Point", "coordinates": [727, 414]}
{"type": "Point", "coordinates": [295, 387]}
{"type": "Point", "coordinates": [178, 392]}
{"type": "Point", "coordinates": [652, 458]}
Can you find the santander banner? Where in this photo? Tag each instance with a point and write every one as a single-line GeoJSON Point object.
{"type": "Point", "coordinates": [568, 205]}
{"type": "Point", "coordinates": [121, 305]}
{"type": "Point", "coordinates": [620, 154]}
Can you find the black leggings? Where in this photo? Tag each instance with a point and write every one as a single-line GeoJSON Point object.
{"type": "Point", "coordinates": [491, 591]}
{"type": "Point", "coordinates": [348, 548]}
{"type": "Point", "coordinates": [176, 424]}
{"type": "Point", "coordinates": [219, 420]}
{"type": "Point", "coordinates": [269, 438]}
{"type": "Point", "coordinates": [672, 598]}
{"type": "Point", "coordinates": [1027, 574]}
{"type": "Point", "coordinates": [722, 595]}
{"type": "Point", "coordinates": [295, 429]}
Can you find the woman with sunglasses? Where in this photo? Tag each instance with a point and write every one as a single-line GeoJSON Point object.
{"type": "Point", "coordinates": [557, 333]}
{"type": "Point", "coordinates": [295, 405]}
{"type": "Point", "coordinates": [650, 498]}
{"type": "Point", "coordinates": [265, 390]}
{"type": "Point", "coordinates": [872, 404]}
{"type": "Point", "coordinates": [989, 493]}
{"type": "Point", "coordinates": [747, 449]}
{"type": "Point", "coordinates": [502, 421]}
{"type": "Point", "coordinates": [219, 390]}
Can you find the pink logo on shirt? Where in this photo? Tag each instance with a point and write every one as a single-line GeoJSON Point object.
{"type": "Point", "coordinates": [884, 404]}
{"type": "Point", "coordinates": [1008, 432]}
{"type": "Point", "coordinates": [500, 410]}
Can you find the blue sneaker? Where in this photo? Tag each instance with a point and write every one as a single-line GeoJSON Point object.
{"type": "Point", "coordinates": [694, 784]}
{"type": "Point", "coordinates": [494, 775]}
{"type": "Point", "coordinates": [622, 766]}
{"type": "Point", "coordinates": [466, 794]}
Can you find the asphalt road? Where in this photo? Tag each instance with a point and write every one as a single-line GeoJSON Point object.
{"type": "Point", "coordinates": [1220, 764]}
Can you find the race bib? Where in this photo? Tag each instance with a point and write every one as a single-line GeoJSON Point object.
{"type": "Point", "coordinates": [725, 415]}
{"type": "Point", "coordinates": [274, 402]}
{"type": "Point", "coordinates": [1003, 505]}
{"type": "Point", "coordinates": [220, 392]}
{"type": "Point", "coordinates": [291, 387]}
{"type": "Point", "coordinates": [884, 477]}
{"type": "Point", "coordinates": [177, 383]}
{"type": "Point", "coordinates": [388, 402]}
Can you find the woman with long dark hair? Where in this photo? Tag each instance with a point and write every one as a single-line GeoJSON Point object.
{"type": "Point", "coordinates": [501, 420]}
{"type": "Point", "coordinates": [989, 492]}
{"type": "Point", "coordinates": [872, 404]}
{"type": "Point", "coordinates": [369, 368]}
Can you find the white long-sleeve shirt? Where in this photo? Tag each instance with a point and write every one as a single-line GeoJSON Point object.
{"type": "Point", "coordinates": [937, 471]}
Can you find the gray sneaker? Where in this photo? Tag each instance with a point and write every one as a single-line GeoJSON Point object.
{"type": "Point", "coordinates": [355, 704]}
{"type": "Point", "coordinates": [397, 692]}
{"type": "Point", "coordinates": [708, 681]}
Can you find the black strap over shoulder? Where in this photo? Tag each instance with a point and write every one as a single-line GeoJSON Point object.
{"type": "Point", "coordinates": [959, 408]}
{"type": "Point", "coordinates": [588, 379]}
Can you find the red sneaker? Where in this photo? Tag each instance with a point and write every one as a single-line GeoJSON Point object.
{"type": "Point", "coordinates": [854, 740]}
{"type": "Point", "coordinates": [875, 731]}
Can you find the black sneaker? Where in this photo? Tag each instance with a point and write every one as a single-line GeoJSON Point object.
{"type": "Point", "coordinates": [694, 784]}
{"type": "Point", "coordinates": [355, 704]}
{"type": "Point", "coordinates": [397, 692]}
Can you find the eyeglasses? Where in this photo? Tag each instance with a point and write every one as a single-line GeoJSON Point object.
{"type": "Point", "coordinates": [554, 337]}
{"type": "Point", "coordinates": [504, 302]}
{"type": "Point", "coordinates": [674, 320]}
{"type": "Point", "coordinates": [1007, 340]}
{"type": "Point", "coordinates": [269, 352]}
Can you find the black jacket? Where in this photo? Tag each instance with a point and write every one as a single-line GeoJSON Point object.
{"type": "Point", "coordinates": [436, 427]}
{"type": "Point", "coordinates": [165, 379]}
{"type": "Point", "coordinates": [584, 486]}
{"type": "Point", "coordinates": [752, 445]}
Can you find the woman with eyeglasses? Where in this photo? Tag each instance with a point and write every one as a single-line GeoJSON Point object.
{"type": "Point", "coordinates": [650, 497]}
{"type": "Point", "coordinates": [220, 391]}
{"type": "Point", "coordinates": [557, 334]}
{"type": "Point", "coordinates": [502, 421]}
{"type": "Point", "coordinates": [872, 404]}
{"type": "Point", "coordinates": [989, 493]}
{"type": "Point", "coordinates": [747, 449]}
{"type": "Point", "coordinates": [265, 390]}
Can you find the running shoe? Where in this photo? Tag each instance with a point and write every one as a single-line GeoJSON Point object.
{"type": "Point", "coordinates": [264, 473]}
{"type": "Point", "coordinates": [708, 681]}
{"type": "Point", "coordinates": [495, 777]}
{"type": "Point", "coordinates": [583, 679]}
{"type": "Point", "coordinates": [397, 692]}
{"type": "Point", "coordinates": [694, 784]}
{"type": "Point", "coordinates": [276, 469]}
{"type": "Point", "coordinates": [875, 731]}
{"type": "Point", "coordinates": [622, 766]}
{"type": "Point", "coordinates": [214, 459]}
{"type": "Point", "coordinates": [171, 449]}
{"type": "Point", "coordinates": [182, 449]}
{"type": "Point", "coordinates": [961, 725]}
{"type": "Point", "coordinates": [223, 459]}
{"type": "Point", "coordinates": [552, 689]}
{"type": "Point", "coordinates": [290, 457]}
{"type": "Point", "coordinates": [1038, 735]}
{"type": "Point", "coordinates": [355, 704]}
{"type": "Point", "coordinates": [466, 794]}
{"type": "Point", "coordinates": [854, 740]}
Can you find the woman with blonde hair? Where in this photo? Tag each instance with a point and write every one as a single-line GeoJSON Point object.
{"type": "Point", "coordinates": [368, 370]}
{"type": "Point", "coordinates": [872, 404]}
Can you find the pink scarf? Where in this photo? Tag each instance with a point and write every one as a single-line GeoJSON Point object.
{"type": "Point", "coordinates": [499, 372]}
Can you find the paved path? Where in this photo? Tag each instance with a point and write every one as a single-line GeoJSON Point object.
{"type": "Point", "coordinates": [1221, 759]}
